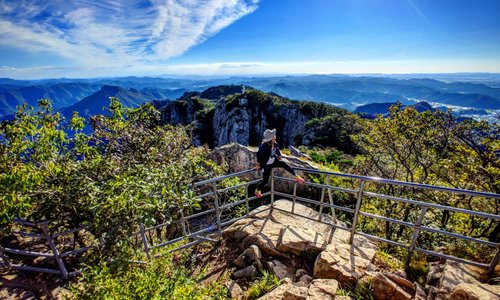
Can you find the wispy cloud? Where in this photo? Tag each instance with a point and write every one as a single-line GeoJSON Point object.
{"type": "Point", "coordinates": [115, 33]}
{"type": "Point", "coordinates": [417, 10]}
{"type": "Point", "coordinates": [260, 68]}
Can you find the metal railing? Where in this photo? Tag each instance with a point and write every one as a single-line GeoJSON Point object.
{"type": "Point", "coordinates": [40, 231]}
{"type": "Point", "coordinates": [210, 229]}
{"type": "Point", "coordinates": [417, 226]}
{"type": "Point", "coordinates": [360, 193]}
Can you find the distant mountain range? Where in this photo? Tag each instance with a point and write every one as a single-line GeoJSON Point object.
{"type": "Point", "coordinates": [61, 94]}
{"type": "Point", "coordinates": [89, 95]}
{"type": "Point", "coordinates": [93, 104]}
{"type": "Point", "coordinates": [373, 109]}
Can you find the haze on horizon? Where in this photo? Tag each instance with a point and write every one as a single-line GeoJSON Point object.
{"type": "Point", "coordinates": [78, 39]}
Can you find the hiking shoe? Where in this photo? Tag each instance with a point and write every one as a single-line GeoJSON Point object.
{"type": "Point", "coordinates": [258, 193]}
{"type": "Point", "coordinates": [299, 179]}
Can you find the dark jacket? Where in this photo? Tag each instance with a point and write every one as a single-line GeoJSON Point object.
{"type": "Point", "coordinates": [264, 153]}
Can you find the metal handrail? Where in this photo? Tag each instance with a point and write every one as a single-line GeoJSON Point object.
{"type": "Point", "coordinates": [211, 229]}
{"type": "Point", "coordinates": [417, 226]}
{"type": "Point", "coordinates": [360, 194]}
{"type": "Point", "coordinates": [404, 183]}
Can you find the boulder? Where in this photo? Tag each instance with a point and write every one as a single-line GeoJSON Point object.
{"type": "Point", "coordinates": [435, 273]}
{"type": "Point", "coordinates": [234, 289]}
{"type": "Point", "coordinates": [322, 289]}
{"type": "Point", "coordinates": [264, 228]}
{"type": "Point", "coordinates": [345, 263]}
{"type": "Point", "coordinates": [281, 270]}
{"type": "Point", "coordinates": [437, 294]}
{"type": "Point", "coordinates": [400, 281]}
{"type": "Point", "coordinates": [251, 256]}
{"type": "Point", "coordinates": [300, 241]}
{"type": "Point", "coordinates": [387, 286]}
{"type": "Point", "coordinates": [419, 292]}
{"type": "Point", "coordinates": [248, 272]}
{"type": "Point", "coordinates": [455, 273]}
{"type": "Point", "coordinates": [240, 158]}
{"type": "Point", "coordinates": [277, 293]}
{"type": "Point", "coordinates": [294, 292]}
{"type": "Point", "coordinates": [467, 291]}
{"type": "Point", "coordinates": [296, 152]}
{"type": "Point", "coordinates": [305, 279]}
{"type": "Point", "coordinates": [300, 272]}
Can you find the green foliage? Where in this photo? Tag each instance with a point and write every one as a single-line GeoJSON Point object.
{"type": "Point", "coordinates": [262, 286]}
{"type": "Point", "coordinates": [429, 147]}
{"type": "Point", "coordinates": [418, 270]}
{"type": "Point", "coordinates": [231, 196]}
{"type": "Point", "coordinates": [255, 98]}
{"type": "Point", "coordinates": [335, 130]}
{"type": "Point", "coordinates": [159, 279]}
{"type": "Point", "coordinates": [329, 156]}
{"type": "Point", "coordinates": [362, 291]}
{"type": "Point", "coordinates": [389, 261]}
{"type": "Point", "coordinates": [130, 170]}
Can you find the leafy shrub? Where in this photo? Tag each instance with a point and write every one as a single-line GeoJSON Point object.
{"type": "Point", "coordinates": [159, 279]}
{"type": "Point", "coordinates": [262, 286]}
{"type": "Point", "coordinates": [130, 170]}
{"type": "Point", "coordinates": [432, 148]}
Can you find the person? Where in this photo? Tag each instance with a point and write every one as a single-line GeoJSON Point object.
{"type": "Point", "coordinates": [268, 157]}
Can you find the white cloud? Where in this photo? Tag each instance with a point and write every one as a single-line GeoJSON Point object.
{"type": "Point", "coordinates": [259, 68]}
{"type": "Point", "coordinates": [111, 33]}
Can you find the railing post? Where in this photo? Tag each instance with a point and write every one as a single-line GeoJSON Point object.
{"type": "Point", "coordinates": [272, 189]}
{"type": "Point", "coordinates": [144, 240]}
{"type": "Point", "coordinates": [356, 212]}
{"type": "Point", "coordinates": [294, 198]}
{"type": "Point", "coordinates": [184, 231]}
{"type": "Point", "coordinates": [246, 199]}
{"type": "Point", "coordinates": [321, 203]}
{"type": "Point", "coordinates": [4, 257]}
{"type": "Point", "coordinates": [330, 197]}
{"type": "Point", "coordinates": [53, 247]}
{"type": "Point", "coordinates": [416, 231]}
{"type": "Point", "coordinates": [216, 203]}
{"type": "Point", "coordinates": [494, 262]}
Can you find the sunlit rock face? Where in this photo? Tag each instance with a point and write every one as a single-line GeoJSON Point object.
{"type": "Point", "coordinates": [242, 118]}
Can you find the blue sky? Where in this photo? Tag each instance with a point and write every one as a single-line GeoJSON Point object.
{"type": "Point", "coordinates": [69, 38]}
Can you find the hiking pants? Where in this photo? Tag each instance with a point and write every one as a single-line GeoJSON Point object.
{"type": "Point", "coordinates": [267, 171]}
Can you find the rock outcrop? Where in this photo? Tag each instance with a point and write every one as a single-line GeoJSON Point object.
{"type": "Point", "coordinates": [234, 289]}
{"type": "Point", "coordinates": [289, 241]}
{"type": "Point", "coordinates": [300, 241]}
{"type": "Point", "coordinates": [264, 228]}
{"type": "Point", "coordinates": [455, 273]}
{"type": "Point", "coordinates": [242, 117]}
{"type": "Point", "coordinates": [467, 291]}
{"type": "Point", "coordinates": [345, 263]}
{"type": "Point", "coordinates": [388, 286]}
{"type": "Point", "coordinates": [322, 289]}
{"type": "Point", "coordinates": [319, 289]}
{"type": "Point", "coordinates": [231, 126]}
{"type": "Point", "coordinates": [240, 158]}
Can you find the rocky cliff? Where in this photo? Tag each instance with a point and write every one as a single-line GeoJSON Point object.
{"type": "Point", "coordinates": [242, 117]}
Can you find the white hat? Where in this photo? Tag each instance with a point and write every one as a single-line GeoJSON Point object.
{"type": "Point", "coordinates": [269, 135]}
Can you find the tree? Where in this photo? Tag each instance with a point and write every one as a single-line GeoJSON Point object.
{"type": "Point", "coordinates": [129, 171]}
{"type": "Point", "coordinates": [430, 147]}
